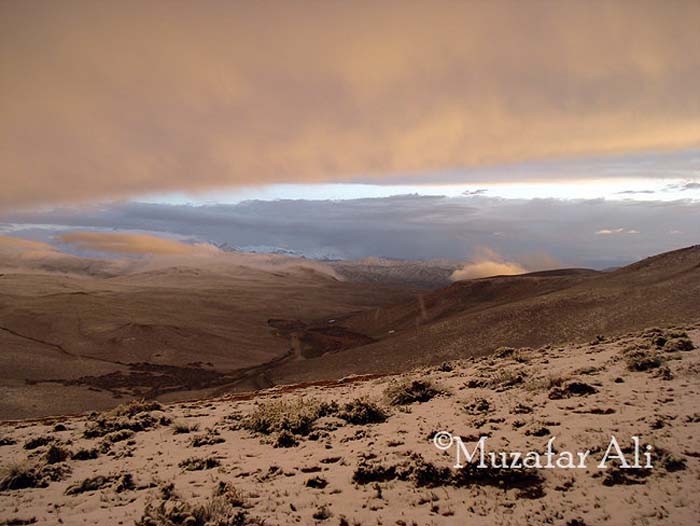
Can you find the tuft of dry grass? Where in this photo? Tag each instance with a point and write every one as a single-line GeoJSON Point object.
{"type": "Point", "coordinates": [56, 454]}
{"type": "Point", "coordinates": [286, 439]}
{"type": "Point", "coordinates": [411, 391]}
{"type": "Point", "coordinates": [668, 340]}
{"type": "Point", "coordinates": [295, 416]}
{"type": "Point", "coordinates": [199, 464]}
{"type": "Point", "coordinates": [133, 416]}
{"type": "Point", "coordinates": [291, 419]}
{"type": "Point", "coordinates": [507, 378]}
{"type": "Point", "coordinates": [426, 474]}
{"type": "Point", "coordinates": [90, 484]}
{"type": "Point", "coordinates": [678, 345]}
{"type": "Point", "coordinates": [639, 359]}
{"type": "Point", "coordinates": [223, 508]}
{"type": "Point", "coordinates": [478, 406]}
{"type": "Point", "coordinates": [208, 438]}
{"type": "Point", "coordinates": [362, 411]}
{"type": "Point", "coordinates": [570, 389]}
{"type": "Point", "coordinates": [20, 475]}
{"type": "Point", "coordinates": [85, 454]}
{"type": "Point", "coordinates": [180, 428]}
{"type": "Point", "coordinates": [36, 442]}
{"type": "Point", "coordinates": [135, 407]}
{"type": "Point", "coordinates": [544, 383]}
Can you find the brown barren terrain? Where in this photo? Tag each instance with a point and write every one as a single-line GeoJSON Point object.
{"type": "Point", "coordinates": [362, 452]}
{"type": "Point", "coordinates": [75, 342]}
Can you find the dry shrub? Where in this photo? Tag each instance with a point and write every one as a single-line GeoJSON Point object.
{"type": "Point", "coordinates": [56, 454]}
{"type": "Point", "coordinates": [668, 340]}
{"type": "Point", "coordinates": [296, 417]}
{"type": "Point", "coordinates": [571, 389]}
{"type": "Point", "coordinates": [425, 474]}
{"type": "Point", "coordinates": [180, 428]}
{"type": "Point", "coordinates": [678, 345]}
{"type": "Point", "coordinates": [545, 383]}
{"type": "Point", "coordinates": [21, 475]}
{"type": "Point", "coordinates": [36, 442]}
{"type": "Point", "coordinates": [223, 508]}
{"type": "Point", "coordinates": [133, 416]}
{"type": "Point", "coordinates": [135, 407]}
{"type": "Point", "coordinates": [362, 411]}
{"type": "Point", "coordinates": [640, 359]}
{"type": "Point", "coordinates": [410, 391]}
{"type": "Point", "coordinates": [199, 464]}
{"type": "Point", "coordinates": [209, 438]}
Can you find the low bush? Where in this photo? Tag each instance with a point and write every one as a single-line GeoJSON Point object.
{"type": "Point", "coordinates": [572, 389]}
{"type": "Point", "coordinates": [90, 484]}
{"type": "Point", "coordinates": [36, 442]}
{"type": "Point", "coordinates": [642, 359]}
{"type": "Point", "coordinates": [223, 508]}
{"type": "Point", "coordinates": [85, 454]}
{"type": "Point", "coordinates": [411, 391]}
{"type": "Point", "coordinates": [209, 438]}
{"type": "Point", "coordinates": [362, 411]}
{"type": "Point", "coordinates": [122, 418]}
{"type": "Point", "coordinates": [425, 474]}
{"type": "Point", "coordinates": [183, 427]}
{"type": "Point", "coordinates": [56, 454]}
{"type": "Point", "coordinates": [678, 345]}
{"type": "Point", "coordinates": [199, 464]}
{"type": "Point", "coordinates": [296, 417]}
{"type": "Point", "coordinates": [20, 476]}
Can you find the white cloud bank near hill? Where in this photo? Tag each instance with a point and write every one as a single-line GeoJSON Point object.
{"type": "Point", "coordinates": [488, 263]}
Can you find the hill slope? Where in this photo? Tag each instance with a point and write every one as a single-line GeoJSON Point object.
{"type": "Point", "coordinates": [175, 331]}
{"type": "Point", "coordinates": [474, 317]}
{"type": "Point", "coordinates": [70, 343]}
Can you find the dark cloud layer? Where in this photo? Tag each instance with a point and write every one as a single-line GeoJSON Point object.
{"type": "Point", "coordinates": [595, 233]}
{"type": "Point", "coordinates": [107, 99]}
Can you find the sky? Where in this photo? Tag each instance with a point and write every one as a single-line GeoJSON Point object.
{"type": "Point", "coordinates": [353, 129]}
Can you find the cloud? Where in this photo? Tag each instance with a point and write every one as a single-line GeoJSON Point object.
{"type": "Point", "coordinates": [24, 247]}
{"type": "Point", "coordinates": [614, 231]}
{"type": "Point", "coordinates": [485, 268]}
{"type": "Point", "coordinates": [27, 254]}
{"type": "Point", "coordinates": [158, 254]}
{"type": "Point", "coordinates": [110, 99]}
{"type": "Point", "coordinates": [635, 192]}
{"type": "Point", "coordinates": [403, 227]}
{"type": "Point", "coordinates": [134, 244]}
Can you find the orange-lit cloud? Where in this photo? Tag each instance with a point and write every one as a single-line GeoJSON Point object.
{"type": "Point", "coordinates": [25, 254]}
{"type": "Point", "coordinates": [17, 246]}
{"type": "Point", "coordinates": [487, 263]}
{"type": "Point", "coordinates": [110, 99]}
{"type": "Point", "coordinates": [157, 253]}
{"type": "Point", "coordinates": [137, 244]}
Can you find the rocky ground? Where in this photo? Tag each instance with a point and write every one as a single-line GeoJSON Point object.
{"type": "Point", "coordinates": [362, 452]}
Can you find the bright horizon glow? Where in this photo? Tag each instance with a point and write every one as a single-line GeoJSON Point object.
{"type": "Point", "coordinates": [611, 189]}
{"type": "Point", "coordinates": [651, 176]}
